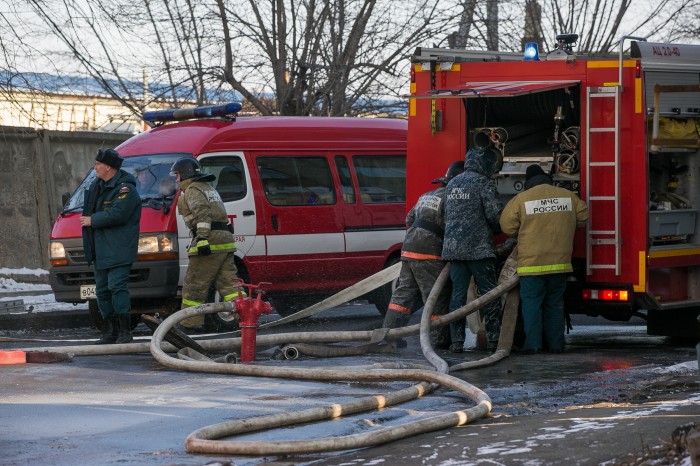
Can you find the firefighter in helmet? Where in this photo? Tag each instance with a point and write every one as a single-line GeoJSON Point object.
{"type": "Point", "coordinates": [211, 250]}
{"type": "Point", "coordinates": [421, 260]}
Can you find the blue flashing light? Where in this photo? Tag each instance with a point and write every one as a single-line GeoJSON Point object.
{"type": "Point", "coordinates": [532, 52]}
{"type": "Point", "coordinates": [208, 111]}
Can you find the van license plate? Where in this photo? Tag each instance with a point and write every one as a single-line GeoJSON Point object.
{"type": "Point", "coordinates": [87, 292]}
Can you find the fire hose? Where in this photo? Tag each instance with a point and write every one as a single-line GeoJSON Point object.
{"type": "Point", "coordinates": [205, 440]}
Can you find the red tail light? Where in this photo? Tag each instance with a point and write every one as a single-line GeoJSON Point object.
{"type": "Point", "coordinates": [605, 295]}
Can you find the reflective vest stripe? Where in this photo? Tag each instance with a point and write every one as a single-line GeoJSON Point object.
{"type": "Point", "coordinates": [416, 255]}
{"type": "Point", "coordinates": [544, 268]}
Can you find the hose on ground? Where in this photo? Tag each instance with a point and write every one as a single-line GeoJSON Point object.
{"type": "Point", "coordinates": [204, 440]}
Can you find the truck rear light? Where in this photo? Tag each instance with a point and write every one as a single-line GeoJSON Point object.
{"type": "Point", "coordinates": [605, 295]}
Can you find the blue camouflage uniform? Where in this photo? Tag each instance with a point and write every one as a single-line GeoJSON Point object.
{"type": "Point", "coordinates": [472, 211]}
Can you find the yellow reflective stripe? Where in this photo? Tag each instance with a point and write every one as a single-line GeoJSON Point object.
{"type": "Point", "coordinates": [216, 247]}
{"type": "Point", "coordinates": [222, 247]}
{"type": "Point", "coordinates": [189, 303]}
{"type": "Point", "coordinates": [544, 268]}
{"type": "Point", "coordinates": [234, 295]}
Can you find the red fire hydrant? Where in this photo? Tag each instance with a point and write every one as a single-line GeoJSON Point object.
{"type": "Point", "coordinates": [249, 310]}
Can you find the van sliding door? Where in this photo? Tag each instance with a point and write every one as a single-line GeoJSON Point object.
{"type": "Point", "coordinates": [303, 227]}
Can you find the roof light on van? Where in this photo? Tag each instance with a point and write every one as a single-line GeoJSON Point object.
{"type": "Point", "coordinates": [179, 114]}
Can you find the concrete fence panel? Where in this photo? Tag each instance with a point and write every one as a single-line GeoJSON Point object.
{"type": "Point", "coordinates": [36, 167]}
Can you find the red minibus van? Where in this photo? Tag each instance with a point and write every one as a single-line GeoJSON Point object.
{"type": "Point", "coordinates": [317, 204]}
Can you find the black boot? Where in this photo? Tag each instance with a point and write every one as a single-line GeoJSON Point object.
{"type": "Point", "coordinates": [395, 319]}
{"type": "Point", "coordinates": [124, 330]}
{"type": "Point", "coordinates": [111, 332]}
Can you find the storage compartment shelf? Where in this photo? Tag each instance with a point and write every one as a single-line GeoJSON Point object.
{"type": "Point", "coordinates": [672, 225]}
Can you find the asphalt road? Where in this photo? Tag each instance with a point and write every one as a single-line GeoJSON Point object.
{"type": "Point", "coordinates": [615, 391]}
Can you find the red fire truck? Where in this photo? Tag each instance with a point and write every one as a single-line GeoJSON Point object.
{"type": "Point", "coordinates": [622, 131]}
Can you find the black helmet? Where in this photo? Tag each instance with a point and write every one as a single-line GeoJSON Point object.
{"type": "Point", "coordinates": [187, 167]}
{"type": "Point", "coordinates": [453, 170]}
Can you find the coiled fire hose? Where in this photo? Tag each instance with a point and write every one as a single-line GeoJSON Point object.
{"type": "Point", "coordinates": [204, 440]}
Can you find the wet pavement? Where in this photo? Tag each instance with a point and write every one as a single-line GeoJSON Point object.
{"type": "Point", "coordinates": [614, 391]}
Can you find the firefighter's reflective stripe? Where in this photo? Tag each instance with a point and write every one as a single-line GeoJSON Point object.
{"type": "Point", "coordinates": [205, 225]}
{"type": "Point", "coordinates": [190, 303]}
{"type": "Point", "coordinates": [215, 247]}
{"type": "Point", "coordinates": [400, 309]}
{"type": "Point", "coordinates": [544, 268]}
{"type": "Point", "coordinates": [415, 255]}
{"type": "Point", "coordinates": [234, 295]}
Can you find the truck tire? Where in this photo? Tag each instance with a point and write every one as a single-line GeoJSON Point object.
{"type": "Point", "coordinates": [381, 297]}
{"type": "Point", "coordinates": [98, 322]}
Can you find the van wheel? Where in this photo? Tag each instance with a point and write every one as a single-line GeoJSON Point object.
{"type": "Point", "coordinates": [99, 323]}
{"type": "Point", "coordinates": [381, 297]}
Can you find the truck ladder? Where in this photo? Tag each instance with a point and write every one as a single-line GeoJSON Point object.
{"type": "Point", "coordinates": [610, 232]}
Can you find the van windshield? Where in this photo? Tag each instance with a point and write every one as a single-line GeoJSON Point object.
{"type": "Point", "coordinates": [153, 180]}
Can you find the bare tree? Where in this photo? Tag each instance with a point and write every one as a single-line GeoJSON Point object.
{"type": "Point", "coordinates": [291, 57]}
{"type": "Point", "coordinates": [601, 23]}
{"type": "Point", "coordinates": [295, 57]}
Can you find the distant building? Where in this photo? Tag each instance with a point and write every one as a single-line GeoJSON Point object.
{"type": "Point", "coordinates": [43, 101]}
{"type": "Point", "coordinates": [65, 112]}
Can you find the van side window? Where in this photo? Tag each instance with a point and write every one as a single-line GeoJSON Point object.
{"type": "Point", "coordinates": [296, 180]}
{"type": "Point", "coordinates": [381, 178]}
{"type": "Point", "coordinates": [230, 176]}
{"type": "Point", "coordinates": [341, 164]}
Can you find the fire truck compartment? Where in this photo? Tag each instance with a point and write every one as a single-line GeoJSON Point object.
{"type": "Point", "coordinates": [672, 223]}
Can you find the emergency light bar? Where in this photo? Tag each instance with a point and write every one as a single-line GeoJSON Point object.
{"type": "Point", "coordinates": [208, 111]}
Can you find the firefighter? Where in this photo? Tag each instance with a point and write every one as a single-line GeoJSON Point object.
{"type": "Point", "coordinates": [544, 219]}
{"type": "Point", "coordinates": [421, 260]}
{"type": "Point", "coordinates": [472, 210]}
{"type": "Point", "coordinates": [211, 249]}
{"type": "Point", "coordinates": [110, 221]}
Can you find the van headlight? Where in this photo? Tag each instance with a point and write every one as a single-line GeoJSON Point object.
{"type": "Point", "coordinates": [157, 246]}
{"type": "Point", "coordinates": [57, 253]}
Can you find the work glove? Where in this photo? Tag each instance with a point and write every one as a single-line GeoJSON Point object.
{"type": "Point", "coordinates": [203, 248]}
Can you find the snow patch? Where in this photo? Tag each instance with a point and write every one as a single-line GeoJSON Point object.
{"type": "Point", "coordinates": [23, 271]}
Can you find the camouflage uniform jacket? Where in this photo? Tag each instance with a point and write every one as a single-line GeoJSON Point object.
{"type": "Point", "coordinates": [472, 209]}
{"type": "Point", "coordinates": [201, 207]}
{"type": "Point", "coordinates": [426, 225]}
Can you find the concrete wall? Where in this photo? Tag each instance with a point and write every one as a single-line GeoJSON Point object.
{"type": "Point", "coordinates": [36, 167]}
